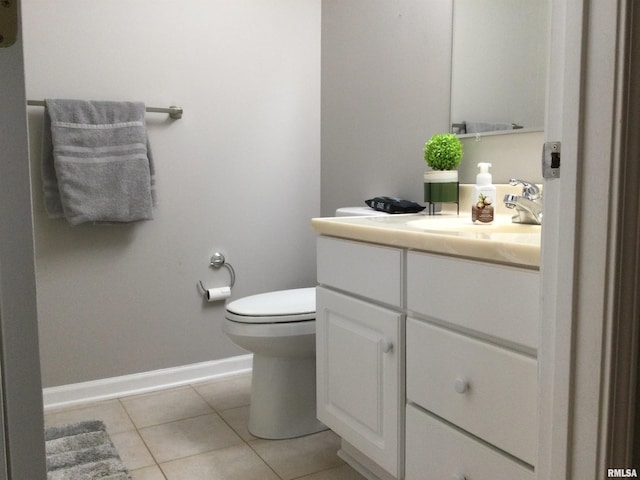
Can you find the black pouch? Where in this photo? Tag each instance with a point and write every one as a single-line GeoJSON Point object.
{"type": "Point", "coordinates": [393, 205]}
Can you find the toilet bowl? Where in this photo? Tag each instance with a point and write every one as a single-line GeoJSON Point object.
{"type": "Point", "coordinates": [279, 328]}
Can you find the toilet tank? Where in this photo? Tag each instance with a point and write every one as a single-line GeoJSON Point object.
{"type": "Point", "coordinates": [357, 212]}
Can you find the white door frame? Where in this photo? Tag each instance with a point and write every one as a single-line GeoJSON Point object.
{"type": "Point", "coordinates": [21, 392]}
{"type": "Point", "coordinates": [581, 275]}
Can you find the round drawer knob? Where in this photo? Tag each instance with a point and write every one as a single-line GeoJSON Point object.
{"type": "Point", "coordinates": [386, 345]}
{"type": "Point", "coordinates": [458, 476]}
{"type": "Point", "coordinates": [461, 385]}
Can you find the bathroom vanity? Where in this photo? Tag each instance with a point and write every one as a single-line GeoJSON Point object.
{"type": "Point", "coordinates": [426, 342]}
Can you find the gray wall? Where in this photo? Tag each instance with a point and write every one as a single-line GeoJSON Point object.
{"type": "Point", "coordinates": [385, 91]}
{"type": "Point", "coordinates": [239, 173]}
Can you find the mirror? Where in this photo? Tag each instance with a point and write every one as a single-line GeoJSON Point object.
{"type": "Point", "coordinates": [499, 64]}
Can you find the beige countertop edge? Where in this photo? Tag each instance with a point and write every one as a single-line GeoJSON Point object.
{"type": "Point", "coordinates": [507, 253]}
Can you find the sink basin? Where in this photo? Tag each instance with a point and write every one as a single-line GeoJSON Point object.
{"type": "Point", "coordinates": [500, 229]}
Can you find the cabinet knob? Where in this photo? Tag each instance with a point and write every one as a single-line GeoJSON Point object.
{"type": "Point", "coordinates": [386, 345]}
{"type": "Point", "coordinates": [461, 385]}
{"type": "Point", "coordinates": [458, 476]}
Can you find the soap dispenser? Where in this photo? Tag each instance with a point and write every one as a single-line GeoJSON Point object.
{"type": "Point", "coordinates": [484, 196]}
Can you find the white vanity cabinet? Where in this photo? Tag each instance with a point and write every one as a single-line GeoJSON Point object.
{"type": "Point", "coordinates": [426, 363]}
{"type": "Point", "coordinates": [359, 348]}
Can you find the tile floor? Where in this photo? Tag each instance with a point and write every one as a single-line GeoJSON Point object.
{"type": "Point", "coordinates": [199, 432]}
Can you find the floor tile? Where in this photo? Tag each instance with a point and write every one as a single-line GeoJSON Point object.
{"type": "Point", "coordinates": [300, 456]}
{"type": "Point", "coordinates": [234, 463]}
{"type": "Point", "coordinates": [110, 412]}
{"type": "Point", "coordinates": [226, 393]}
{"type": "Point", "coordinates": [238, 419]}
{"type": "Point", "coordinates": [166, 406]}
{"type": "Point", "coordinates": [345, 472]}
{"type": "Point", "coordinates": [182, 438]}
{"type": "Point", "coordinates": [132, 450]}
{"type": "Point", "coordinates": [200, 432]}
{"type": "Point", "coordinates": [147, 473]}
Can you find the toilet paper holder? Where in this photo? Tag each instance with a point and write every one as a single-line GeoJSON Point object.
{"type": "Point", "coordinates": [217, 261]}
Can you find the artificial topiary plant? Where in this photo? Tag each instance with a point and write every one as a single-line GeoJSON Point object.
{"type": "Point", "coordinates": [443, 151]}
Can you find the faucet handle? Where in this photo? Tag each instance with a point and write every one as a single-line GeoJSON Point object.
{"type": "Point", "coordinates": [529, 190]}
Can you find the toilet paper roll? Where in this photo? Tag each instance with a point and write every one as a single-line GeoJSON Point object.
{"type": "Point", "coordinates": [216, 294]}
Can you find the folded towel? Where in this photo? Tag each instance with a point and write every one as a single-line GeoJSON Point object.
{"type": "Point", "coordinates": [479, 127]}
{"type": "Point", "coordinates": [96, 162]}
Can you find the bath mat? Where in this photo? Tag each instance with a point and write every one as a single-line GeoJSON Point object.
{"type": "Point", "coordinates": [82, 451]}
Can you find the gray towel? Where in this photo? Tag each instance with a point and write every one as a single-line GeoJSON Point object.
{"type": "Point", "coordinates": [479, 127]}
{"type": "Point", "coordinates": [96, 162]}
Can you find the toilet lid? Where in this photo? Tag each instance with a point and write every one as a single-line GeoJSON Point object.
{"type": "Point", "coordinates": [282, 306]}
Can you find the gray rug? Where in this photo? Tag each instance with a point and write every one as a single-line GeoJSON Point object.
{"type": "Point", "coordinates": [82, 451]}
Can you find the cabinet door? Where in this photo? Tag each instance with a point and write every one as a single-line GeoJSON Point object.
{"type": "Point", "coordinates": [358, 374]}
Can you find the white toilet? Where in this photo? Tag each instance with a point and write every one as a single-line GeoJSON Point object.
{"type": "Point", "coordinates": [280, 329]}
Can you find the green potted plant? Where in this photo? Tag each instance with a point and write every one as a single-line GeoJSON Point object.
{"type": "Point", "coordinates": [442, 153]}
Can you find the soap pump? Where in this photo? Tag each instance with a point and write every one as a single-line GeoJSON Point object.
{"type": "Point", "coordinates": [484, 195]}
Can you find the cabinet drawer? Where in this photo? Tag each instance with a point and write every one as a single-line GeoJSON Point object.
{"type": "Point", "coordinates": [435, 450]}
{"type": "Point", "coordinates": [493, 299]}
{"type": "Point", "coordinates": [368, 270]}
{"type": "Point", "coordinates": [484, 389]}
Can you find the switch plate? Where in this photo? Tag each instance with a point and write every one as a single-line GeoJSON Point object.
{"type": "Point", "coordinates": [551, 160]}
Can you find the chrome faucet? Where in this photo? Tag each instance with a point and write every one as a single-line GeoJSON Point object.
{"type": "Point", "coordinates": [528, 206]}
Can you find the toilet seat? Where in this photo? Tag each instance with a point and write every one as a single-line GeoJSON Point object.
{"type": "Point", "coordinates": [284, 306]}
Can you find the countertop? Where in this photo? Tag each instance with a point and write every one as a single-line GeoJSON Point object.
{"type": "Point", "coordinates": [446, 233]}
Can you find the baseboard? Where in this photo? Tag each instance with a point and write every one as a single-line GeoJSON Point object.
{"type": "Point", "coordinates": [361, 463]}
{"type": "Point", "coordinates": [109, 388]}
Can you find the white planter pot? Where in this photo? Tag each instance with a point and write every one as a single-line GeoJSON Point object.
{"type": "Point", "coordinates": [440, 176]}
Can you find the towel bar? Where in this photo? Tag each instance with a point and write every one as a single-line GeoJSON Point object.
{"type": "Point", "coordinates": [173, 111]}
